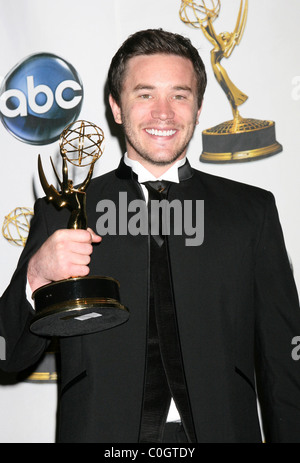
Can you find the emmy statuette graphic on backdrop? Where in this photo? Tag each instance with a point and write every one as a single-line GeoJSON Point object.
{"type": "Point", "coordinates": [15, 230]}
{"type": "Point", "coordinates": [78, 305]}
{"type": "Point", "coordinates": [16, 225]}
{"type": "Point", "coordinates": [239, 139]}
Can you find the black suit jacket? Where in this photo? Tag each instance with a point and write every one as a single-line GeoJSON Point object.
{"type": "Point", "coordinates": [237, 310]}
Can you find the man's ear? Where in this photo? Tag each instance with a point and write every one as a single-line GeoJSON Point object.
{"type": "Point", "coordinates": [198, 113]}
{"type": "Point", "coordinates": [116, 110]}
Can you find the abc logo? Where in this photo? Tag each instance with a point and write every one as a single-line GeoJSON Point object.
{"type": "Point", "coordinates": [39, 98]}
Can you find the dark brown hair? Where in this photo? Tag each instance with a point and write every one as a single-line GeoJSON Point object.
{"type": "Point", "coordinates": [150, 42]}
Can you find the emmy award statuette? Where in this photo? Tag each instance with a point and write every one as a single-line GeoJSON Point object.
{"type": "Point", "coordinates": [78, 305]}
{"type": "Point", "coordinates": [239, 139]}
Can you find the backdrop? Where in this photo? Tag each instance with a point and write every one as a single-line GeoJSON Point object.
{"type": "Point", "coordinates": [77, 40]}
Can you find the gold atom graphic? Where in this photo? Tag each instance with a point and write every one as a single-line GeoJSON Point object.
{"type": "Point", "coordinates": [200, 11]}
{"type": "Point", "coordinates": [16, 225]}
{"type": "Point", "coordinates": [81, 143]}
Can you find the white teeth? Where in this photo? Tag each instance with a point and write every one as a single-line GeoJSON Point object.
{"type": "Point", "coordinates": [161, 133]}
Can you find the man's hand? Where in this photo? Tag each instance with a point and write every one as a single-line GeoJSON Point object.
{"type": "Point", "coordinates": [65, 254]}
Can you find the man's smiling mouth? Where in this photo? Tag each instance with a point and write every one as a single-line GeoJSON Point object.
{"type": "Point", "coordinates": [161, 133]}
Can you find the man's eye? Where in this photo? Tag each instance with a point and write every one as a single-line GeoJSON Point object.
{"type": "Point", "coordinates": [179, 97]}
{"type": "Point", "coordinates": [145, 96]}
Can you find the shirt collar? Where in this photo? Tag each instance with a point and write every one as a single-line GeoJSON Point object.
{"type": "Point", "coordinates": [144, 175]}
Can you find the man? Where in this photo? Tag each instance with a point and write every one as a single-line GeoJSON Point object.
{"type": "Point", "coordinates": [211, 323]}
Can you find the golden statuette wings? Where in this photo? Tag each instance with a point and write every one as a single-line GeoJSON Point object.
{"type": "Point", "coordinates": [69, 196]}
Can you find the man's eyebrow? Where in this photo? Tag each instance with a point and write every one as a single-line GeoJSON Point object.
{"type": "Point", "coordinates": [143, 87]}
{"type": "Point", "coordinates": [184, 88]}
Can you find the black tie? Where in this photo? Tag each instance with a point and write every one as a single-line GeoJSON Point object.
{"type": "Point", "coordinates": [164, 371]}
{"type": "Point", "coordinates": [158, 191]}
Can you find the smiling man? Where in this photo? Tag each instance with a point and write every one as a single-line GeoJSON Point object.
{"type": "Point", "coordinates": [158, 109]}
{"type": "Point", "coordinates": [211, 326]}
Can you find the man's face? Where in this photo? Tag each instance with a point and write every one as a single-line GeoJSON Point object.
{"type": "Point", "coordinates": [158, 108]}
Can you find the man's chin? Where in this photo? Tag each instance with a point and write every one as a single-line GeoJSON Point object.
{"type": "Point", "coordinates": [163, 163]}
{"type": "Point", "coordinates": [163, 160]}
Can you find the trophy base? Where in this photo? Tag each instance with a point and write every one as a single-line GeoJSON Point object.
{"type": "Point", "coordinates": [78, 306]}
{"type": "Point", "coordinates": [239, 140]}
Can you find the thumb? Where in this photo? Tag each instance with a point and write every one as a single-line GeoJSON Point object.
{"type": "Point", "coordinates": [95, 238]}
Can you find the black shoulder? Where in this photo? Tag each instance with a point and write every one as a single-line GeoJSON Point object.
{"type": "Point", "coordinates": [227, 188]}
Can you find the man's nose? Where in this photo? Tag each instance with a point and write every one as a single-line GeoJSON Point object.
{"type": "Point", "coordinates": [162, 110]}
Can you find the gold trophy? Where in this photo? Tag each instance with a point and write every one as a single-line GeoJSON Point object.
{"type": "Point", "coordinates": [239, 139]}
{"type": "Point", "coordinates": [79, 305]}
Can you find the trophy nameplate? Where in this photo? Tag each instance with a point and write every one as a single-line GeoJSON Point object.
{"type": "Point", "coordinates": [79, 305]}
{"type": "Point", "coordinates": [240, 139]}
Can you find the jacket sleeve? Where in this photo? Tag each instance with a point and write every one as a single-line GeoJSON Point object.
{"type": "Point", "coordinates": [277, 323]}
{"type": "Point", "coordinates": [23, 348]}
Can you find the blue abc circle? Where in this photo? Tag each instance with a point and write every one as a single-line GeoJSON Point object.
{"type": "Point", "coordinates": [39, 97]}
